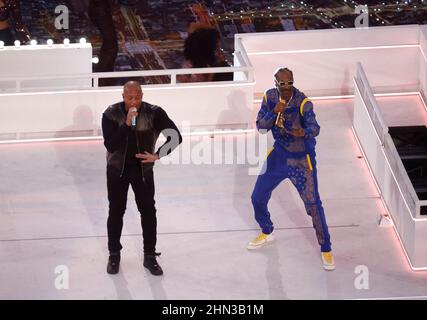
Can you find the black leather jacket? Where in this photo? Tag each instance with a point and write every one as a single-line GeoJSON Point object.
{"type": "Point", "coordinates": [12, 10]}
{"type": "Point", "coordinates": [151, 121]}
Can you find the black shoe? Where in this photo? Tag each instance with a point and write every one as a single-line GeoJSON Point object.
{"type": "Point", "coordinates": [113, 264]}
{"type": "Point", "coordinates": [151, 264]}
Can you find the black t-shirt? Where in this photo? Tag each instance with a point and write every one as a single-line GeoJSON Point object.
{"type": "Point", "coordinates": [132, 149]}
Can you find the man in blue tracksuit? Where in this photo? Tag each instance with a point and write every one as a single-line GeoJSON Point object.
{"type": "Point", "coordinates": [289, 114]}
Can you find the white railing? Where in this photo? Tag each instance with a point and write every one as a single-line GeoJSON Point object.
{"type": "Point", "coordinates": [19, 82]}
{"type": "Point", "coordinates": [241, 58]}
{"type": "Point", "coordinates": [392, 156]}
{"type": "Point", "coordinates": [384, 163]}
{"type": "Point", "coordinates": [371, 103]}
{"type": "Point", "coordinates": [67, 104]}
{"type": "Point", "coordinates": [242, 71]}
{"type": "Point", "coordinates": [324, 61]}
{"type": "Point", "coordinates": [402, 179]}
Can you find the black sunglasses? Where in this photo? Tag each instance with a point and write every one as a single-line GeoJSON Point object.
{"type": "Point", "coordinates": [284, 83]}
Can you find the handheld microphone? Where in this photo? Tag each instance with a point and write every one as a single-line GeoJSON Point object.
{"type": "Point", "coordinates": [133, 109]}
{"type": "Point", "coordinates": [279, 118]}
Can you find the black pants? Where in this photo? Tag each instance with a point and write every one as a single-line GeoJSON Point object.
{"type": "Point", "coordinates": [100, 13]}
{"type": "Point", "coordinates": [144, 196]}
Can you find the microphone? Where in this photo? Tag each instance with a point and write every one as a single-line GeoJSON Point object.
{"type": "Point", "coordinates": [279, 118]}
{"type": "Point", "coordinates": [133, 109]}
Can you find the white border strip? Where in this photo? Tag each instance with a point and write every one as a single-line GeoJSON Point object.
{"type": "Point", "coordinates": [332, 49]}
{"type": "Point", "coordinates": [184, 134]}
{"type": "Point", "coordinates": [352, 96]}
{"type": "Point", "coordinates": [422, 99]}
{"type": "Point", "coordinates": [144, 88]}
{"type": "Point", "coordinates": [17, 141]}
{"type": "Point", "coordinates": [410, 93]}
{"type": "Point", "coordinates": [393, 298]}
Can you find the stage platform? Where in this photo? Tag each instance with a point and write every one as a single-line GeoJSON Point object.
{"type": "Point", "coordinates": [53, 205]}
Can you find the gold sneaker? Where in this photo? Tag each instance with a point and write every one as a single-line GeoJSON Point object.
{"type": "Point", "coordinates": [260, 241]}
{"type": "Point", "coordinates": [328, 261]}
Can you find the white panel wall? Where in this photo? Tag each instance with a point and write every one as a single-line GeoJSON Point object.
{"type": "Point", "coordinates": [331, 72]}
{"type": "Point", "coordinates": [61, 113]}
{"type": "Point", "coordinates": [420, 243]}
{"type": "Point", "coordinates": [41, 60]}
{"type": "Point", "coordinates": [375, 157]}
{"type": "Point", "coordinates": [330, 38]}
{"type": "Point", "coordinates": [412, 228]}
{"type": "Point", "coordinates": [423, 61]}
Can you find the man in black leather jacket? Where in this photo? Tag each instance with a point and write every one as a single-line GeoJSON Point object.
{"type": "Point", "coordinates": [130, 129]}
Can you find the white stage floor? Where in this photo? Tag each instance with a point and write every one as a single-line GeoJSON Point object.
{"type": "Point", "coordinates": [53, 210]}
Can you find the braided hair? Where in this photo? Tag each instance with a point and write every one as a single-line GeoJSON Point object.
{"type": "Point", "coordinates": [283, 69]}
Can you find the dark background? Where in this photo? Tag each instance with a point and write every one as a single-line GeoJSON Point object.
{"type": "Point", "coordinates": [151, 33]}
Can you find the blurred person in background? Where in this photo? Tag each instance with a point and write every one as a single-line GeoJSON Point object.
{"type": "Point", "coordinates": [11, 25]}
{"type": "Point", "coordinates": [202, 49]}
